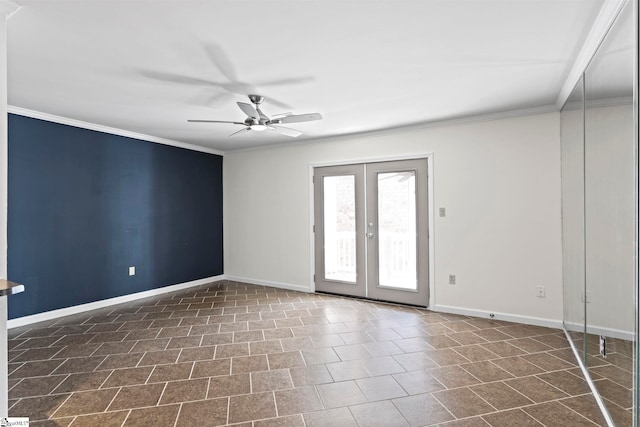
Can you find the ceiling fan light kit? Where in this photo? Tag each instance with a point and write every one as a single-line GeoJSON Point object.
{"type": "Point", "coordinates": [257, 120]}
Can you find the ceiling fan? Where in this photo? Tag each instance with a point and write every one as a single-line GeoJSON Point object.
{"type": "Point", "coordinates": [258, 121]}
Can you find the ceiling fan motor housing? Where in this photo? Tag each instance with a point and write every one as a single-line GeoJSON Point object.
{"type": "Point", "coordinates": [256, 99]}
{"type": "Point", "coordinates": [250, 121]}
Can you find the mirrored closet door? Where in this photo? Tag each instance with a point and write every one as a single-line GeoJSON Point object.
{"type": "Point", "coordinates": [599, 217]}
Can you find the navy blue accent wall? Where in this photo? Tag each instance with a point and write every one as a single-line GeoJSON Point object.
{"type": "Point", "coordinates": [85, 205]}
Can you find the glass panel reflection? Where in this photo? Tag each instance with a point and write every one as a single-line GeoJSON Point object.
{"type": "Point", "coordinates": [610, 216]}
{"type": "Point", "coordinates": [339, 228]}
{"type": "Point", "coordinates": [397, 230]}
{"type": "Point", "coordinates": [573, 267]}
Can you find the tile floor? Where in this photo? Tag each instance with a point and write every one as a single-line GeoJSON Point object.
{"type": "Point", "coordinates": [612, 375]}
{"type": "Point", "coordinates": [229, 353]}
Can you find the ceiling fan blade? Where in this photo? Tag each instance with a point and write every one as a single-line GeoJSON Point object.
{"type": "Point", "coordinates": [177, 78]}
{"type": "Point", "coordinates": [214, 121]}
{"type": "Point", "coordinates": [293, 80]}
{"type": "Point", "coordinates": [214, 100]}
{"type": "Point", "coordinates": [247, 129]}
{"type": "Point", "coordinates": [298, 118]}
{"type": "Point", "coordinates": [249, 110]}
{"type": "Point", "coordinates": [279, 104]}
{"type": "Point", "coordinates": [221, 60]}
{"type": "Point", "coordinates": [285, 131]}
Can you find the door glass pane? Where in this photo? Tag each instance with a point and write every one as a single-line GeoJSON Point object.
{"type": "Point", "coordinates": [339, 228]}
{"type": "Point", "coordinates": [397, 230]}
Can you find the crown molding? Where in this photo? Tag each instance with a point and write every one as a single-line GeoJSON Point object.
{"type": "Point", "coordinates": [107, 129]}
{"type": "Point", "coordinates": [464, 120]}
{"type": "Point", "coordinates": [8, 8]}
{"type": "Point", "coordinates": [608, 13]}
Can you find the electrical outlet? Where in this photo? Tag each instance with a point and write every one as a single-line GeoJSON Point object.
{"type": "Point", "coordinates": [452, 279]}
{"type": "Point", "coordinates": [443, 212]}
{"type": "Point", "coordinates": [132, 271]}
{"type": "Point", "coordinates": [540, 291]}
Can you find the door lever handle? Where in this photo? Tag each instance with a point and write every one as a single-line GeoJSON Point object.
{"type": "Point", "coordinates": [370, 233]}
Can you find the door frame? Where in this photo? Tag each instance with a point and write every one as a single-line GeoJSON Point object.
{"type": "Point", "coordinates": [429, 157]}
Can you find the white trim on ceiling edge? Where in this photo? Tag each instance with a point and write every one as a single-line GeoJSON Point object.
{"type": "Point", "coordinates": [106, 129]}
{"type": "Point", "coordinates": [500, 115]}
{"type": "Point", "coordinates": [477, 118]}
{"type": "Point", "coordinates": [68, 311]}
{"type": "Point", "coordinates": [608, 13]}
{"type": "Point", "coordinates": [8, 8]}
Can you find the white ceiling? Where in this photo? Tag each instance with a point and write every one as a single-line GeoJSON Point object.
{"type": "Point", "coordinates": [143, 66]}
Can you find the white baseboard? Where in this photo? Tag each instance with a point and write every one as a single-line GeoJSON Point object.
{"type": "Point", "coordinates": [67, 311]}
{"type": "Point", "coordinates": [611, 333]}
{"type": "Point", "coordinates": [507, 317]}
{"type": "Point", "coordinates": [269, 283]}
{"type": "Point", "coordinates": [600, 330]}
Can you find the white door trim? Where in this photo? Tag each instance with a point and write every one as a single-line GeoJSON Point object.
{"type": "Point", "coordinates": [431, 208]}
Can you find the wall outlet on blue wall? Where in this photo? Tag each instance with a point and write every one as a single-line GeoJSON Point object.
{"type": "Point", "coordinates": [132, 271]}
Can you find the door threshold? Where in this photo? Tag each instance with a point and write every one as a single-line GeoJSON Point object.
{"type": "Point", "coordinates": [399, 304]}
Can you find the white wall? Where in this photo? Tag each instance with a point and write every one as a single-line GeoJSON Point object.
{"type": "Point", "coordinates": [499, 181]}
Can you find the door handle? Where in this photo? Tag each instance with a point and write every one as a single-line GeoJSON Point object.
{"type": "Point", "coordinates": [370, 233]}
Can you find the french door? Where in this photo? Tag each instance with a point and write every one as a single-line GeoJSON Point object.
{"type": "Point", "coordinates": [371, 231]}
